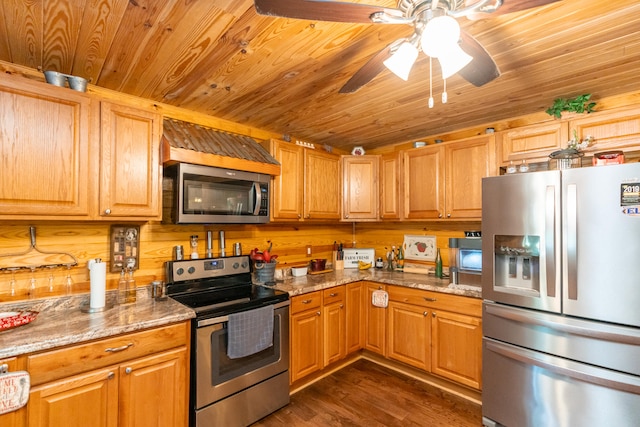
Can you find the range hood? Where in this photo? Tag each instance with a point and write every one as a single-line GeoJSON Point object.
{"type": "Point", "coordinates": [184, 142]}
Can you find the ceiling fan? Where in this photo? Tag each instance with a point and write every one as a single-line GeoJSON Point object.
{"type": "Point", "coordinates": [457, 51]}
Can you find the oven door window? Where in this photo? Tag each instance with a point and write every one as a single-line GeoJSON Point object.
{"type": "Point", "coordinates": [224, 369]}
{"type": "Point", "coordinates": [218, 196]}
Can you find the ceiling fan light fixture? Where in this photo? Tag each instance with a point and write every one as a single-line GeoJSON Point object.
{"type": "Point", "coordinates": [439, 35]}
{"type": "Point", "coordinates": [401, 62]}
{"type": "Point", "coordinates": [453, 60]}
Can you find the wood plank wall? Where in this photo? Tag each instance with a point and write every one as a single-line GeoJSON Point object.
{"type": "Point", "coordinates": [90, 240]}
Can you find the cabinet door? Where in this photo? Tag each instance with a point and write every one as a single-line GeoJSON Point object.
{"type": "Point", "coordinates": [86, 400]}
{"type": "Point", "coordinates": [333, 319]}
{"type": "Point", "coordinates": [457, 347]}
{"type": "Point", "coordinates": [322, 198]}
{"type": "Point", "coordinates": [154, 390]}
{"type": "Point", "coordinates": [129, 162]}
{"type": "Point", "coordinates": [390, 186]}
{"type": "Point", "coordinates": [467, 162]}
{"type": "Point", "coordinates": [354, 317]}
{"type": "Point", "coordinates": [612, 130]}
{"type": "Point", "coordinates": [424, 183]}
{"type": "Point", "coordinates": [288, 188]}
{"type": "Point", "coordinates": [409, 335]}
{"type": "Point", "coordinates": [306, 343]}
{"type": "Point", "coordinates": [46, 148]}
{"type": "Point", "coordinates": [533, 142]}
{"type": "Point", "coordinates": [360, 187]}
{"type": "Point", "coordinates": [375, 321]}
{"type": "Point", "coordinates": [14, 418]}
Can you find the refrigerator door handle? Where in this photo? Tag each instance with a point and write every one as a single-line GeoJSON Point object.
{"type": "Point", "coordinates": [589, 331]}
{"type": "Point", "coordinates": [550, 237]}
{"type": "Point", "coordinates": [576, 371]}
{"type": "Point", "coordinates": [570, 247]}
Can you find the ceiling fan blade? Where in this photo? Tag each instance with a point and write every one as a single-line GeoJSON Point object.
{"type": "Point", "coordinates": [368, 71]}
{"type": "Point", "coordinates": [482, 69]}
{"type": "Point", "coordinates": [512, 6]}
{"type": "Point", "coordinates": [321, 10]}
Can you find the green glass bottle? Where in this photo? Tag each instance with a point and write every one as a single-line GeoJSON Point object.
{"type": "Point", "coordinates": [438, 264]}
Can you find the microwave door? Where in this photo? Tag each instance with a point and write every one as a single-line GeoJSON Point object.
{"type": "Point", "coordinates": [521, 240]}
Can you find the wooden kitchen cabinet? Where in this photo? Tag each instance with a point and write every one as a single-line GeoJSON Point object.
{"type": "Point", "coordinates": [306, 335]}
{"type": "Point", "coordinates": [130, 162]}
{"type": "Point", "coordinates": [531, 143]}
{"type": "Point", "coordinates": [612, 130]}
{"type": "Point", "coordinates": [15, 418]}
{"type": "Point", "coordinates": [308, 187]}
{"type": "Point", "coordinates": [49, 150]}
{"type": "Point", "coordinates": [375, 322]}
{"type": "Point", "coordinates": [360, 187]}
{"type": "Point", "coordinates": [445, 181]}
{"type": "Point", "coordinates": [120, 381]}
{"type": "Point", "coordinates": [334, 324]}
{"type": "Point", "coordinates": [409, 334]}
{"type": "Point", "coordinates": [354, 317]}
{"type": "Point", "coordinates": [390, 186]}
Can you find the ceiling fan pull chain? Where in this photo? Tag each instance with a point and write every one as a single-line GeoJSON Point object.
{"type": "Point", "coordinates": [430, 85]}
{"type": "Point", "coordinates": [444, 94]}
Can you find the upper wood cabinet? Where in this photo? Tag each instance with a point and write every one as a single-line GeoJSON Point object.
{"type": "Point", "coordinates": [531, 143]}
{"type": "Point", "coordinates": [129, 162]}
{"type": "Point", "coordinates": [445, 181]}
{"type": "Point", "coordinates": [48, 151]}
{"type": "Point", "coordinates": [390, 186]}
{"type": "Point", "coordinates": [616, 129]}
{"type": "Point", "coordinates": [360, 187]}
{"type": "Point", "coordinates": [308, 187]}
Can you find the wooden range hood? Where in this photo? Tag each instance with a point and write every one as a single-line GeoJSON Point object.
{"type": "Point", "coordinates": [184, 142]}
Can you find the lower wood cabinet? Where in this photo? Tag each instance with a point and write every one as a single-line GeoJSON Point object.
{"type": "Point", "coordinates": [409, 334]}
{"type": "Point", "coordinates": [375, 320]}
{"type": "Point", "coordinates": [134, 380]}
{"type": "Point", "coordinates": [306, 335]}
{"type": "Point", "coordinates": [354, 299]}
{"type": "Point", "coordinates": [334, 318]}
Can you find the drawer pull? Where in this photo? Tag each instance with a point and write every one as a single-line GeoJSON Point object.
{"type": "Point", "coordinates": [333, 294]}
{"type": "Point", "coordinates": [117, 349]}
{"type": "Point", "coordinates": [128, 370]}
{"type": "Point", "coordinates": [430, 299]}
{"type": "Point", "coordinates": [306, 301]}
{"type": "Point", "coordinates": [318, 313]}
{"type": "Point", "coordinates": [111, 376]}
{"type": "Point", "coordinates": [425, 313]}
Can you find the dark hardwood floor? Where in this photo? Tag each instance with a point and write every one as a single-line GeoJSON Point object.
{"type": "Point", "coordinates": [367, 394]}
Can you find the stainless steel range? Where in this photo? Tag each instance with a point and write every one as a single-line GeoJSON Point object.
{"type": "Point", "coordinates": [239, 341]}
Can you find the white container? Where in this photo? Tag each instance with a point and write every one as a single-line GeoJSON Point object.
{"type": "Point", "coordinates": [298, 271]}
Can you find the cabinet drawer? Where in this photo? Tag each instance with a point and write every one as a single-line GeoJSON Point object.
{"type": "Point", "coordinates": [55, 364]}
{"type": "Point", "coordinates": [306, 302]}
{"type": "Point", "coordinates": [436, 300]}
{"type": "Point", "coordinates": [332, 295]}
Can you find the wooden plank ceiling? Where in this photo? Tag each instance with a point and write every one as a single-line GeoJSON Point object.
{"type": "Point", "coordinates": [220, 58]}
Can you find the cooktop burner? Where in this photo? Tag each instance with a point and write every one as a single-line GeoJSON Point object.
{"type": "Point", "coordinates": [218, 286]}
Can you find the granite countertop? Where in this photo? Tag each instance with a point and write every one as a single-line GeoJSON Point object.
{"type": "Point", "coordinates": [61, 322]}
{"type": "Point", "coordinates": [313, 282]}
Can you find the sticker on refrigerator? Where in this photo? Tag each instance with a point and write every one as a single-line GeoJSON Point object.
{"type": "Point", "coordinates": [630, 198]}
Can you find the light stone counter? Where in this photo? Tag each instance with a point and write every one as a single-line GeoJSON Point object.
{"type": "Point", "coordinates": [313, 282]}
{"type": "Point", "coordinates": [61, 322]}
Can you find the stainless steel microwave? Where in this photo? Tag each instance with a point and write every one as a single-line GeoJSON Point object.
{"type": "Point", "coordinates": [194, 194]}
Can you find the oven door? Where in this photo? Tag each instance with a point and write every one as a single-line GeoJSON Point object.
{"type": "Point", "coordinates": [217, 376]}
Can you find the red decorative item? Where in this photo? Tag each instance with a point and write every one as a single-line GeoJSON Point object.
{"type": "Point", "coordinates": [13, 319]}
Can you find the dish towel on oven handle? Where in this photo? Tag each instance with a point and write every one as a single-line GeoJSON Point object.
{"type": "Point", "coordinates": [249, 332]}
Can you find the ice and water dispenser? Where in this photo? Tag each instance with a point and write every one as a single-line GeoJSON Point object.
{"type": "Point", "coordinates": [517, 263]}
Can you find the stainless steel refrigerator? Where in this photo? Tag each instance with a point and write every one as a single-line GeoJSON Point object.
{"type": "Point", "coordinates": [561, 289]}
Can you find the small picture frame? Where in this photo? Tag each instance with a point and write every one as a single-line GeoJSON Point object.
{"type": "Point", "coordinates": [420, 248]}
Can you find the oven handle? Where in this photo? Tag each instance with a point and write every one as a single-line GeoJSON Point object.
{"type": "Point", "coordinates": [222, 319]}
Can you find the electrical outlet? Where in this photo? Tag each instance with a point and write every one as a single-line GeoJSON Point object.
{"type": "Point", "coordinates": [308, 250]}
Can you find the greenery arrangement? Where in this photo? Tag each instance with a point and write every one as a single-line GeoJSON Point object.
{"type": "Point", "coordinates": [579, 104]}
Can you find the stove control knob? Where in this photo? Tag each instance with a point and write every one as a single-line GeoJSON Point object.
{"type": "Point", "coordinates": [180, 271]}
{"type": "Point", "coordinates": [191, 270]}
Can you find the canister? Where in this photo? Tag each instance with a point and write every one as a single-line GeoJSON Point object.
{"type": "Point", "coordinates": [237, 249]}
{"type": "Point", "coordinates": [178, 253]}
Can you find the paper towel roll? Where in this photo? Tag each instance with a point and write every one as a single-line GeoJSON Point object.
{"type": "Point", "coordinates": [98, 277]}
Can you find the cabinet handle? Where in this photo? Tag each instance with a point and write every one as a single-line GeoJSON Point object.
{"type": "Point", "coordinates": [128, 370]}
{"type": "Point", "coordinates": [306, 301]}
{"type": "Point", "coordinates": [439, 215]}
{"type": "Point", "coordinates": [425, 314]}
{"type": "Point", "coordinates": [107, 211]}
{"type": "Point", "coordinates": [433, 314]}
{"type": "Point", "coordinates": [347, 216]}
{"type": "Point", "coordinates": [341, 305]}
{"type": "Point", "coordinates": [333, 294]}
{"type": "Point", "coordinates": [111, 376]}
{"type": "Point", "coordinates": [430, 299]}
{"type": "Point", "coordinates": [448, 215]}
{"type": "Point", "coordinates": [117, 349]}
{"type": "Point", "coordinates": [318, 313]}
{"type": "Point", "coordinates": [299, 216]}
